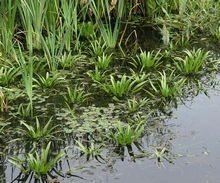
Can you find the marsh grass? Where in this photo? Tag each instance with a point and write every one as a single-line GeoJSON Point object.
{"type": "Point", "coordinates": [98, 47]}
{"type": "Point", "coordinates": [61, 31]}
{"type": "Point", "coordinates": [75, 95]}
{"type": "Point", "coordinates": [24, 111]}
{"type": "Point", "coordinates": [37, 163]}
{"type": "Point", "coordinates": [38, 132]}
{"type": "Point", "coordinates": [126, 135]}
{"type": "Point", "coordinates": [67, 61]}
{"type": "Point", "coordinates": [50, 80]}
{"type": "Point", "coordinates": [32, 16]}
{"type": "Point", "coordinates": [134, 104]}
{"type": "Point", "coordinates": [217, 32]}
{"type": "Point", "coordinates": [52, 49]}
{"type": "Point", "coordinates": [97, 75]}
{"type": "Point", "coordinates": [89, 151]}
{"type": "Point", "coordinates": [166, 86]}
{"type": "Point", "coordinates": [103, 61]}
{"type": "Point", "coordinates": [27, 74]}
{"type": "Point", "coordinates": [123, 86]}
{"type": "Point", "coordinates": [8, 75]}
{"type": "Point", "coordinates": [161, 153]}
{"type": "Point", "coordinates": [7, 25]}
{"type": "Point", "coordinates": [193, 61]}
{"type": "Point", "coordinates": [147, 60]}
{"type": "Point", "coordinates": [109, 31]}
{"type": "Point", "coordinates": [69, 27]}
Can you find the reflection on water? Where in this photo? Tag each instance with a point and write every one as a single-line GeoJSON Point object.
{"type": "Point", "coordinates": [197, 140]}
{"type": "Point", "coordinates": [183, 149]}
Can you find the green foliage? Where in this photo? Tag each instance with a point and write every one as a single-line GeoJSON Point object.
{"type": "Point", "coordinates": [52, 48]}
{"type": "Point", "coordinates": [32, 15]}
{"type": "Point", "coordinates": [90, 151]}
{"type": "Point", "coordinates": [2, 130]}
{"type": "Point", "coordinates": [192, 62]}
{"type": "Point", "coordinates": [96, 75]}
{"type": "Point", "coordinates": [7, 24]}
{"type": "Point", "coordinates": [69, 27]}
{"type": "Point", "coordinates": [87, 29]}
{"type": "Point", "coordinates": [8, 75]}
{"type": "Point", "coordinates": [39, 164]}
{"type": "Point", "coordinates": [147, 60]}
{"type": "Point", "coordinates": [50, 80]}
{"type": "Point", "coordinates": [166, 87]}
{"type": "Point", "coordinates": [97, 47]}
{"type": "Point", "coordinates": [217, 32]}
{"type": "Point", "coordinates": [23, 111]}
{"type": "Point", "coordinates": [160, 154]}
{"type": "Point", "coordinates": [67, 61]}
{"type": "Point", "coordinates": [27, 74]}
{"type": "Point", "coordinates": [75, 95]}
{"type": "Point", "coordinates": [126, 135]}
{"type": "Point", "coordinates": [38, 132]}
{"type": "Point", "coordinates": [108, 31]}
{"type": "Point", "coordinates": [103, 62]}
{"type": "Point", "coordinates": [124, 86]}
{"type": "Point", "coordinates": [133, 105]}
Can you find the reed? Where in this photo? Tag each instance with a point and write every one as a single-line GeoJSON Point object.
{"type": "Point", "coordinates": [27, 74]}
{"type": "Point", "coordinates": [109, 31]}
{"type": "Point", "coordinates": [7, 24]}
{"type": "Point", "coordinates": [33, 16]}
{"type": "Point", "coordinates": [52, 48]}
{"type": "Point", "coordinates": [69, 24]}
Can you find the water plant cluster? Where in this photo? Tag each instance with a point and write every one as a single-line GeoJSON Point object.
{"type": "Point", "coordinates": [76, 77]}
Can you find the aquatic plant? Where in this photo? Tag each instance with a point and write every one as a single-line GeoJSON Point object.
{"type": "Point", "coordinates": [24, 111]}
{"type": "Point", "coordinates": [192, 62]}
{"type": "Point", "coordinates": [98, 47]}
{"type": "Point", "coordinates": [69, 27]}
{"type": "Point", "coordinates": [87, 29]}
{"type": "Point", "coordinates": [182, 40]}
{"type": "Point", "coordinates": [165, 86]}
{"type": "Point", "coordinates": [96, 75]}
{"type": "Point", "coordinates": [161, 153]}
{"type": "Point", "coordinates": [75, 95]}
{"type": "Point", "coordinates": [67, 61]}
{"type": "Point", "coordinates": [147, 60]}
{"type": "Point", "coordinates": [8, 75]}
{"type": "Point", "coordinates": [217, 32]}
{"type": "Point", "coordinates": [52, 48]}
{"type": "Point", "coordinates": [126, 135]}
{"type": "Point", "coordinates": [103, 62]}
{"type": "Point", "coordinates": [7, 19]}
{"type": "Point", "coordinates": [37, 163]}
{"type": "Point", "coordinates": [135, 104]}
{"type": "Point", "coordinates": [50, 80]}
{"type": "Point", "coordinates": [32, 15]}
{"type": "Point", "coordinates": [35, 133]}
{"type": "Point", "coordinates": [108, 31]}
{"type": "Point", "coordinates": [89, 151]}
{"type": "Point", "coordinates": [27, 74]}
{"type": "Point", "coordinates": [124, 86]}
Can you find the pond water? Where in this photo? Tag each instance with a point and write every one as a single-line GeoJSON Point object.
{"type": "Point", "coordinates": [189, 138]}
{"type": "Point", "coordinates": [193, 139]}
{"type": "Point", "coordinates": [196, 145]}
{"type": "Point", "coordinates": [198, 140]}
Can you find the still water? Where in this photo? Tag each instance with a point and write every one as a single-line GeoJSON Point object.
{"type": "Point", "coordinates": [195, 142]}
